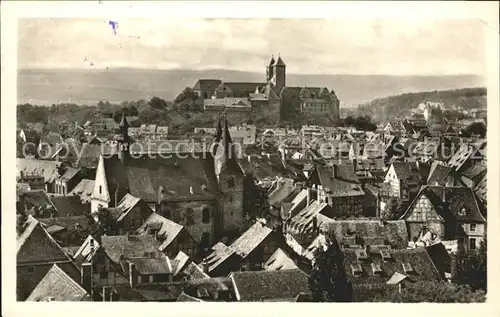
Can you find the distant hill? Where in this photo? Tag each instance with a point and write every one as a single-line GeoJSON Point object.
{"type": "Point", "coordinates": [383, 109]}
{"type": "Point", "coordinates": [49, 86]}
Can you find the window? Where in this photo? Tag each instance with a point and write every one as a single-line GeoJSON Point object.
{"type": "Point", "coordinates": [230, 182]}
{"type": "Point", "coordinates": [472, 244]}
{"type": "Point", "coordinates": [206, 215]}
{"type": "Point", "coordinates": [473, 227]}
{"type": "Point", "coordinates": [31, 269]}
{"type": "Point", "coordinates": [100, 189]}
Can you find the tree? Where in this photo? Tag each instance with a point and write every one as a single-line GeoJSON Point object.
{"type": "Point", "coordinates": [158, 103]}
{"type": "Point", "coordinates": [394, 209]}
{"type": "Point", "coordinates": [482, 256]}
{"type": "Point", "coordinates": [328, 281]}
{"type": "Point", "coordinates": [437, 292]}
{"type": "Point", "coordinates": [459, 265]}
{"type": "Point", "coordinates": [477, 128]}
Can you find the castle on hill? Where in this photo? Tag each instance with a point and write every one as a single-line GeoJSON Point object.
{"type": "Point", "coordinates": [241, 101]}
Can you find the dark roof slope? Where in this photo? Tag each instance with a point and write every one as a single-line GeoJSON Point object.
{"type": "Point", "coordinates": [56, 285]}
{"type": "Point", "coordinates": [180, 178]}
{"type": "Point", "coordinates": [260, 286]}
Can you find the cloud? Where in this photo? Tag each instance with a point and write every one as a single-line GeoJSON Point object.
{"type": "Point", "coordinates": [307, 45]}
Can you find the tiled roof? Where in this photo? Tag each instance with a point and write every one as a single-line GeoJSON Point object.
{"type": "Point", "coordinates": [476, 170]}
{"type": "Point", "coordinates": [423, 268]}
{"type": "Point", "coordinates": [241, 87]}
{"type": "Point", "coordinates": [227, 102]}
{"type": "Point", "coordinates": [69, 174]}
{"type": "Point", "coordinates": [129, 246]}
{"type": "Point", "coordinates": [67, 222]}
{"type": "Point", "coordinates": [279, 261]}
{"type": "Point", "coordinates": [168, 230]}
{"type": "Point", "coordinates": [148, 292]}
{"type": "Point", "coordinates": [242, 246]}
{"type": "Point", "coordinates": [343, 183]}
{"type": "Point", "coordinates": [126, 204]}
{"type": "Point", "coordinates": [452, 203]}
{"type": "Point", "coordinates": [84, 190]}
{"type": "Point", "coordinates": [69, 205]}
{"type": "Point", "coordinates": [179, 262]}
{"type": "Point", "coordinates": [148, 266]}
{"type": "Point", "coordinates": [464, 153]}
{"type": "Point", "coordinates": [38, 197]}
{"type": "Point", "coordinates": [320, 242]}
{"type": "Point", "coordinates": [48, 169]}
{"type": "Point", "coordinates": [35, 244]}
{"type": "Point", "coordinates": [56, 285]}
{"type": "Point", "coordinates": [186, 298]}
{"type": "Point", "coordinates": [263, 166]}
{"type": "Point", "coordinates": [303, 221]}
{"type": "Point", "coordinates": [208, 287]}
{"type": "Point", "coordinates": [407, 172]}
{"type": "Point", "coordinates": [277, 196]}
{"type": "Point", "coordinates": [180, 178]}
{"type": "Point", "coordinates": [438, 173]}
{"type": "Point", "coordinates": [194, 272]}
{"type": "Point", "coordinates": [369, 232]}
{"type": "Point", "coordinates": [207, 84]}
{"type": "Point", "coordinates": [85, 253]}
{"type": "Point", "coordinates": [481, 188]}
{"type": "Point", "coordinates": [260, 286]}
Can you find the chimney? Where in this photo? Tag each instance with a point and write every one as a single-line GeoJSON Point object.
{"type": "Point", "coordinates": [86, 277]}
{"type": "Point", "coordinates": [132, 273]}
{"type": "Point", "coordinates": [334, 171]}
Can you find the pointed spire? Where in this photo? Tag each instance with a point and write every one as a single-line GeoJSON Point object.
{"type": "Point", "coordinates": [271, 63]}
{"type": "Point", "coordinates": [279, 62]}
{"type": "Point", "coordinates": [124, 122]}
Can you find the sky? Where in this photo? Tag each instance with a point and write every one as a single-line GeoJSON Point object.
{"type": "Point", "coordinates": [307, 46]}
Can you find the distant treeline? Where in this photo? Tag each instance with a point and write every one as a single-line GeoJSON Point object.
{"type": "Point", "coordinates": [383, 109]}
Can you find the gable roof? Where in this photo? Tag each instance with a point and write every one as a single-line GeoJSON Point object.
{"type": "Point", "coordinates": [279, 261]}
{"type": "Point", "coordinates": [207, 84]}
{"type": "Point", "coordinates": [69, 205]}
{"type": "Point", "coordinates": [464, 153]}
{"type": "Point", "coordinates": [126, 204]}
{"type": "Point", "coordinates": [129, 246]}
{"type": "Point", "coordinates": [56, 285]}
{"type": "Point", "coordinates": [418, 259]}
{"type": "Point", "coordinates": [438, 174]}
{"type": "Point", "coordinates": [181, 178]}
{"type": "Point", "coordinates": [263, 167]}
{"type": "Point", "coordinates": [369, 232]}
{"type": "Point", "coordinates": [147, 265]}
{"type": "Point", "coordinates": [303, 222]}
{"type": "Point", "coordinates": [339, 180]}
{"type": "Point", "coordinates": [84, 190]}
{"type": "Point", "coordinates": [450, 202]}
{"type": "Point", "coordinates": [85, 252]}
{"type": "Point", "coordinates": [36, 244]}
{"type": "Point", "coordinates": [407, 172]}
{"type": "Point", "coordinates": [242, 246]}
{"type": "Point", "coordinates": [167, 231]}
{"type": "Point", "coordinates": [48, 169]}
{"type": "Point", "coordinates": [476, 170]}
{"type": "Point", "coordinates": [69, 174]}
{"type": "Point", "coordinates": [260, 286]}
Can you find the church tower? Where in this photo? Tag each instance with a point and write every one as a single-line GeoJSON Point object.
{"type": "Point", "coordinates": [124, 141]}
{"type": "Point", "coordinates": [230, 180]}
{"type": "Point", "coordinates": [269, 69]}
{"type": "Point", "coordinates": [279, 75]}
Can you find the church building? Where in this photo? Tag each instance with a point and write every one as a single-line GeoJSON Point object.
{"type": "Point", "coordinates": [201, 191]}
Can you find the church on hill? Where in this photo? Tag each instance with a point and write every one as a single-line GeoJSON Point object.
{"type": "Point", "coordinates": [271, 98]}
{"type": "Point", "coordinates": [202, 192]}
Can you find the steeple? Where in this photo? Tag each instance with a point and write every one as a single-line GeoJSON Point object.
{"type": "Point", "coordinates": [124, 141]}
{"type": "Point", "coordinates": [279, 62]}
{"type": "Point", "coordinates": [271, 63]}
{"type": "Point", "coordinates": [225, 156]}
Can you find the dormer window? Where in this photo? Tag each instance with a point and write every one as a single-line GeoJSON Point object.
{"type": "Point", "coordinates": [361, 255]}
{"type": "Point", "coordinates": [462, 212]}
{"type": "Point", "coordinates": [376, 268]}
{"type": "Point", "coordinates": [356, 269]}
{"type": "Point", "coordinates": [385, 255]}
{"type": "Point", "coordinates": [407, 268]}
